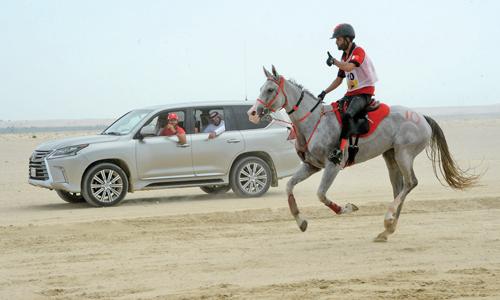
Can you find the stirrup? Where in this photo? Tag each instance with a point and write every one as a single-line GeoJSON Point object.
{"type": "Point", "coordinates": [335, 156]}
{"type": "Point", "coordinates": [352, 150]}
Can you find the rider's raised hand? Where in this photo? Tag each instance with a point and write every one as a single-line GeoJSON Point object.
{"type": "Point", "coordinates": [330, 60]}
{"type": "Point", "coordinates": [322, 95]}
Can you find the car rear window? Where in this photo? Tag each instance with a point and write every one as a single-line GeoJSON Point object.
{"type": "Point", "coordinates": [242, 121]}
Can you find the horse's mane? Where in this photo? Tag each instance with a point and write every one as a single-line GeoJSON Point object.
{"type": "Point", "coordinates": [301, 87]}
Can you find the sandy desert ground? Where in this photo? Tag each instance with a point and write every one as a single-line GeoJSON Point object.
{"type": "Point", "coordinates": [184, 244]}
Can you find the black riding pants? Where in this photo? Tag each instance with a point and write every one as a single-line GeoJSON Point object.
{"type": "Point", "coordinates": [356, 104]}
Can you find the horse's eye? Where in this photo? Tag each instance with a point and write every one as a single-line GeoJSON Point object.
{"type": "Point", "coordinates": [270, 90]}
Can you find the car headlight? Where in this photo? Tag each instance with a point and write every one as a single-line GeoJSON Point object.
{"type": "Point", "coordinates": [67, 151]}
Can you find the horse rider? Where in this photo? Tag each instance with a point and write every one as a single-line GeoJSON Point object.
{"type": "Point", "coordinates": [361, 78]}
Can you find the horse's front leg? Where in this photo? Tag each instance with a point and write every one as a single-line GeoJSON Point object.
{"type": "Point", "coordinates": [329, 174]}
{"type": "Point", "coordinates": [305, 171]}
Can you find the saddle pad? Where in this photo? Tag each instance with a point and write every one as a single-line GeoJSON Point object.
{"type": "Point", "coordinates": [374, 117]}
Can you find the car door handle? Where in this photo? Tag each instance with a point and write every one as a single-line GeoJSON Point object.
{"type": "Point", "coordinates": [183, 145]}
{"type": "Point", "coordinates": [233, 141]}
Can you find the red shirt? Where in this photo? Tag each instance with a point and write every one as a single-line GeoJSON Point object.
{"type": "Point", "coordinates": [169, 132]}
{"type": "Point", "coordinates": [358, 56]}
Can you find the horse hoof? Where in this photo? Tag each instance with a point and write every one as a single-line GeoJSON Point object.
{"type": "Point", "coordinates": [349, 208]}
{"type": "Point", "coordinates": [303, 226]}
{"type": "Point", "coordinates": [381, 238]}
{"type": "Point", "coordinates": [390, 225]}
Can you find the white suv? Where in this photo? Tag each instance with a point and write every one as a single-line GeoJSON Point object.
{"type": "Point", "coordinates": [130, 156]}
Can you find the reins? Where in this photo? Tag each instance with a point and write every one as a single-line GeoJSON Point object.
{"type": "Point", "coordinates": [322, 113]}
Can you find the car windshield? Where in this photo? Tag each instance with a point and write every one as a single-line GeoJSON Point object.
{"type": "Point", "coordinates": [127, 122]}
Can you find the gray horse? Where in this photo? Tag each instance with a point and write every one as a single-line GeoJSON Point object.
{"type": "Point", "coordinates": [400, 137]}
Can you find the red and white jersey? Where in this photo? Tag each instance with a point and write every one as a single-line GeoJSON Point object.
{"type": "Point", "coordinates": [170, 132]}
{"type": "Point", "coordinates": [361, 80]}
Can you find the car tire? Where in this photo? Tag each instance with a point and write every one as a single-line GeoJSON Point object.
{"type": "Point", "coordinates": [250, 177]}
{"type": "Point", "coordinates": [215, 189]}
{"type": "Point", "coordinates": [104, 184]}
{"type": "Point", "coordinates": [70, 197]}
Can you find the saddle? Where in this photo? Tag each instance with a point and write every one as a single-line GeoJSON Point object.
{"type": "Point", "coordinates": [364, 123]}
{"type": "Point", "coordinates": [373, 105]}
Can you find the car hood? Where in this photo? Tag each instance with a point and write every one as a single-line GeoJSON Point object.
{"type": "Point", "coordinates": [92, 139]}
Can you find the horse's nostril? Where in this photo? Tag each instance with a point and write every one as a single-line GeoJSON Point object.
{"type": "Point", "coordinates": [254, 113]}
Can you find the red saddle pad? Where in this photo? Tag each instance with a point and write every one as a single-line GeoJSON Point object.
{"type": "Point", "coordinates": [374, 117]}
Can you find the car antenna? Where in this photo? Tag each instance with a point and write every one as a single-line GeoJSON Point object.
{"type": "Point", "coordinates": [245, 68]}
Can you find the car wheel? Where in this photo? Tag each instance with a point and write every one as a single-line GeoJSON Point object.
{"type": "Point", "coordinates": [250, 177]}
{"type": "Point", "coordinates": [215, 189]}
{"type": "Point", "coordinates": [70, 197]}
{"type": "Point", "coordinates": [104, 184]}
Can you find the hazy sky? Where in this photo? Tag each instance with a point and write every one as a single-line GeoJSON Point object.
{"type": "Point", "coordinates": [99, 59]}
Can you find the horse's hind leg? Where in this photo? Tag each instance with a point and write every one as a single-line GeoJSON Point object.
{"type": "Point", "coordinates": [394, 173]}
{"type": "Point", "coordinates": [397, 184]}
{"type": "Point", "coordinates": [403, 180]}
{"type": "Point", "coordinates": [305, 171]}
{"type": "Point", "coordinates": [329, 174]}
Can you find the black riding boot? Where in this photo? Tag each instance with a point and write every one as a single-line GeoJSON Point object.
{"type": "Point", "coordinates": [336, 155]}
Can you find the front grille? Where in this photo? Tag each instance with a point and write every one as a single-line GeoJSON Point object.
{"type": "Point", "coordinates": [37, 162]}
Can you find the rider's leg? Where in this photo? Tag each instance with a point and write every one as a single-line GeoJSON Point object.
{"type": "Point", "coordinates": [357, 104]}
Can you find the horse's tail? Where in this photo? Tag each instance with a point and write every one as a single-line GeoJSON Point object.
{"type": "Point", "coordinates": [440, 155]}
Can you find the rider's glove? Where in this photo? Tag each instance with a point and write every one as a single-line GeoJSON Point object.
{"type": "Point", "coordinates": [322, 95]}
{"type": "Point", "coordinates": [330, 60]}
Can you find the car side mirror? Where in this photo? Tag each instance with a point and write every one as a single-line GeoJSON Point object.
{"type": "Point", "coordinates": [147, 131]}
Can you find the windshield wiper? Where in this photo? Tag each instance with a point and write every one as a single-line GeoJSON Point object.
{"type": "Point", "coordinates": [112, 133]}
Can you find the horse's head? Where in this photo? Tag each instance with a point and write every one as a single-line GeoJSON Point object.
{"type": "Point", "coordinates": [272, 96]}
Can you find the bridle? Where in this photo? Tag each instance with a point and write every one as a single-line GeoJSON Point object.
{"type": "Point", "coordinates": [281, 84]}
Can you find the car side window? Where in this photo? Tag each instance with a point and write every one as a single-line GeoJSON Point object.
{"type": "Point", "coordinates": [202, 117]}
{"type": "Point", "coordinates": [161, 120]}
{"type": "Point", "coordinates": [241, 117]}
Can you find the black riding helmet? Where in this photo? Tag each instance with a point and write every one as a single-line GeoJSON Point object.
{"type": "Point", "coordinates": [344, 30]}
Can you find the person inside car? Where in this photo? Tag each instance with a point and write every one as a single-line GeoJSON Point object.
{"type": "Point", "coordinates": [216, 126]}
{"type": "Point", "coordinates": [172, 128]}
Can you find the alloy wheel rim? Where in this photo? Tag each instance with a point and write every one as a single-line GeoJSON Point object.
{"type": "Point", "coordinates": [106, 185]}
{"type": "Point", "coordinates": [253, 178]}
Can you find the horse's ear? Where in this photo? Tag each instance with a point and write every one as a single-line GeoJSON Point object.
{"type": "Point", "coordinates": [266, 72]}
{"type": "Point", "coordinates": [275, 73]}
